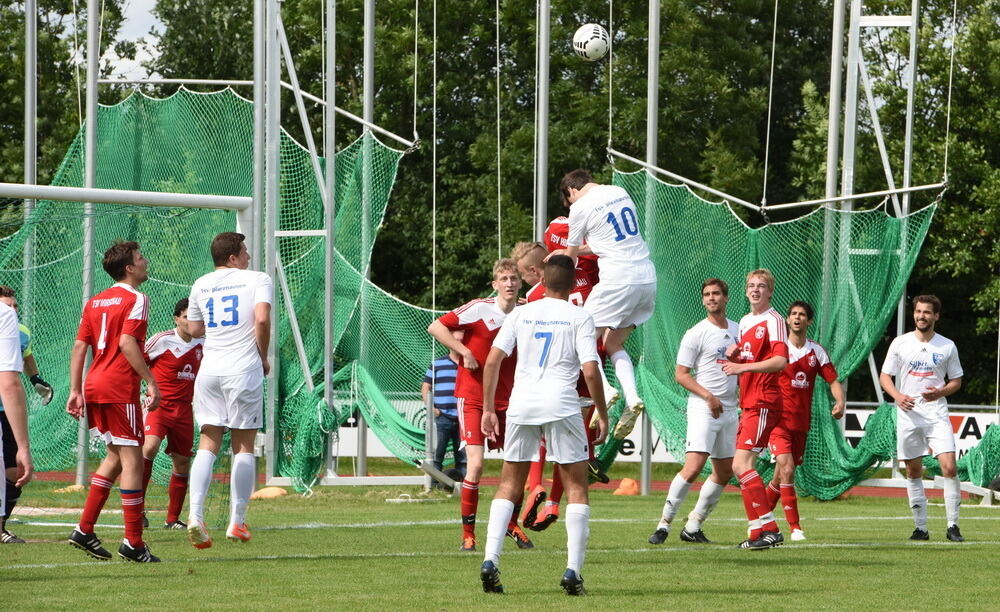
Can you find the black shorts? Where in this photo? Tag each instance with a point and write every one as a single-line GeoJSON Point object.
{"type": "Point", "coordinates": [9, 444]}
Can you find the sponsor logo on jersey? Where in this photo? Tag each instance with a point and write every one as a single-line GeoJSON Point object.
{"type": "Point", "coordinates": [186, 373]}
{"type": "Point", "coordinates": [920, 369]}
{"type": "Point", "coordinates": [746, 353]}
{"type": "Point", "coordinates": [800, 380]}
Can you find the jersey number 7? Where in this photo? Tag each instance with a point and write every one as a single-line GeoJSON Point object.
{"type": "Point", "coordinates": [547, 336]}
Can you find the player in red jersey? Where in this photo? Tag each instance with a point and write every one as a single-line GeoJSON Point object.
{"type": "Point", "coordinates": [480, 320]}
{"type": "Point", "coordinates": [174, 357]}
{"type": "Point", "coordinates": [758, 360]}
{"type": "Point", "coordinates": [806, 359]}
{"type": "Point", "coordinates": [113, 326]}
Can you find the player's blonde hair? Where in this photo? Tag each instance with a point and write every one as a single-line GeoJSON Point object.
{"type": "Point", "coordinates": [523, 249]}
{"type": "Point", "coordinates": [505, 264]}
{"type": "Point", "coordinates": [765, 274]}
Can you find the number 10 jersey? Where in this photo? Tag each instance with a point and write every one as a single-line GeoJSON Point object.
{"type": "Point", "coordinates": [225, 301]}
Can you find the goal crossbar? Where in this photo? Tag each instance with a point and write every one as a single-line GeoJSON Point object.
{"type": "Point", "coordinates": [124, 196]}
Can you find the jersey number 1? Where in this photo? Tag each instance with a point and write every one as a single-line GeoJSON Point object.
{"type": "Point", "coordinates": [231, 310]}
{"type": "Point", "coordinates": [629, 223]}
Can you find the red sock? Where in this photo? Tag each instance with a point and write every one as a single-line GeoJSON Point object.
{"type": "Point", "coordinates": [517, 512]}
{"type": "Point", "coordinates": [755, 502]}
{"type": "Point", "coordinates": [773, 495]}
{"type": "Point", "coordinates": [147, 473]}
{"type": "Point", "coordinates": [469, 505]}
{"type": "Point", "coordinates": [132, 507]}
{"type": "Point", "coordinates": [176, 491]}
{"type": "Point", "coordinates": [535, 472]}
{"type": "Point", "coordinates": [790, 504]}
{"type": "Point", "coordinates": [100, 488]}
{"type": "Point", "coordinates": [557, 486]}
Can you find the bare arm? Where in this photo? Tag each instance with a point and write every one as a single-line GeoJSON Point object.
{"type": "Point", "coordinates": [491, 372]}
{"type": "Point", "coordinates": [682, 374]}
{"type": "Point", "coordinates": [839, 399]}
{"type": "Point", "coordinates": [769, 365]}
{"type": "Point", "coordinates": [903, 401]}
{"type": "Point", "coordinates": [262, 332]}
{"type": "Point", "coordinates": [133, 354]}
{"type": "Point", "coordinates": [442, 334]}
{"type": "Point", "coordinates": [14, 403]}
{"type": "Point", "coordinates": [74, 403]}
{"type": "Point", "coordinates": [593, 379]}
{"type": "Point", "coordinates": [30, 366]}
{"type": "Point", "coordinates": [196, 328]}
{"type": "Point", "coordinates": [950, 387]}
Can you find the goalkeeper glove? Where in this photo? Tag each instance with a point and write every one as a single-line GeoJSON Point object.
{"type": "Point", "coordinates": [42, 388]}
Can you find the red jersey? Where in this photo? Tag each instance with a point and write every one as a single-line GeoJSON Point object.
{"type": "Point", "coordinates": [557, 237]}
{"type": "Point", "coordinates": [797, 381]}
{"type": "Point", "coordinates": [116, 311]}
{"type": "Point", "coordinates": [761, 337]}
{"type": "Point", "coordinates": [174, 364]}
{"type": "Point", "coordinates": [481, 321]}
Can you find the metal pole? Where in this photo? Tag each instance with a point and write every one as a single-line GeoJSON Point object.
{"type": "Point", "coordinates": [832, 154]}
{"type": "Point", "coordinates": [911, 80]}
{"type": "Point", "coordinates": [89, 181]}
{"type": "Point", "coordinates": [652, 129]}
{"type": "Point", "coordinates": [30, 144]}
{"type": "Point", "coordinates": [272, 170]}
{"type": "Point", "coordinates": [542, 122]}
{"type": "Point", "coordinates": [851, 103]}
{"type": "Point", "coordinates": [330, 213]}
{"type": "Point", "coordinates": [368, 115]}
{"type": "Point", "coordinates": [254, 222]}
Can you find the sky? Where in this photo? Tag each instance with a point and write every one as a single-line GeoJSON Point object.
{"type": "Point", "coordinates": [138, 21]}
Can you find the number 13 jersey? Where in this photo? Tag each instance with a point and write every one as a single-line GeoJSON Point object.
{"type": "Point", "coordinates": [225, 300]}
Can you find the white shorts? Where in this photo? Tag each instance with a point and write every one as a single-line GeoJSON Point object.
{"type": "Point", "coordinates": [621, 306]}
{"type": "Point", "coordinates": [565, 441]}
{"type": "Point", "coordinates": [914, 434]}
{"type": "Point", "coordinates": [236, 401]}
{"type": "Point", "coordinates": [705, 434]}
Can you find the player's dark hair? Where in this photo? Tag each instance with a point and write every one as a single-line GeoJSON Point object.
{"type": "Point", "coordinates": [928, 299]}
{"type": "Point", "coordinates": [559, 274]}
{"type": "Point", "coordinates": [6, 292]}
{"type": "Point", "coordinates": [806, 306]}
{"type": "Point", "coordinates": [224, 245]}
{"type": "Point", "coordinates": [119, 256]}
{"type": "Point", "coordinates": [180, 307]}
{"type": "Point", "coordinates": [577, 179]}
{"type": "Point", "coordinates": [721, 284]}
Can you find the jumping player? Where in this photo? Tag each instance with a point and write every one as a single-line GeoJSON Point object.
{"type": "Point", "coordinates": [113, 326]}
{"type": "Point", "coordinates": [806, 359]}
{"type": "Point", "coordinates": [921, 361]}
{"type": "Point", "coordinates": [231, 308]}
{"type": "Point", "coordinates": [480, 320]}
{"type": "Point", "coordinates": [758, 359]}
{"type": "Point", "coordinates": [603, 222]}
{"type": "Point", "coordinates": [554, 339]}
{"type": "Point", "coordinates": [174, 357]}
{"type": "Point", "coordinates": [712, 414]}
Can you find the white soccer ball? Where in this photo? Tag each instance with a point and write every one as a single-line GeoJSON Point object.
{"type": "Point", "coordinates": [591, 42]}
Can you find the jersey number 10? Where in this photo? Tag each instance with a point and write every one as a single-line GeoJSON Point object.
{"type": "Point", "coordinates": [232, 310]}
{"type": "Point", "coordinates": [628, 223]}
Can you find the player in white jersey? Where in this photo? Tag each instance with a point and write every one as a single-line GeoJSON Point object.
{"type": "Point", "coordinates": [712, 414]}
{"type": "Point", "coordinates": [921, 362]}
{"type": "Point", "coordinates": [603, 221]}
{"type": "Point", "coordinates": [231, 307]}
{"type": "Point", "coordinates": [554, 340]}
{"type": "Point", "coordinates": [14, 402]}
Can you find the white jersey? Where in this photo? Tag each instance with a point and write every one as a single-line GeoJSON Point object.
{"type": "Point", "coordinates": [605, 218]}
{"type": "Point", "coordinates": [918, 365]}
{"type": "Point", "coordinates": [11, 359]}
{"type": "Point", "coordinates": [553, 339]}
{"type": "Point", "coordinates": [703, 349]}
{"type": "Point", "coordinates": [225, 300]}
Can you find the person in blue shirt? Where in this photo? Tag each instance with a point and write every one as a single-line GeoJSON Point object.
{"type": "Point", "coordinates": [440, 380]}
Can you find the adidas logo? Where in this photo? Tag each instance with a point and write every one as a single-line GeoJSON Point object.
{"type": "Point", "coordinates": [786, 507]}
{"type": "Point", "coordinates": [756, 505]}
{"type": "Point", "coordinates": [749, 442]}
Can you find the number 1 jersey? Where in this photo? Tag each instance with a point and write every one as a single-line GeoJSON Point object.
{"type": "Point", "coordinates": [118, 310]}
{"type": "Point", "coordinates": [225, 300]}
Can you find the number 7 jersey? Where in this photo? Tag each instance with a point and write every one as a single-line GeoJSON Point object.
{"type": "Point", "coordinates": [225, 301]}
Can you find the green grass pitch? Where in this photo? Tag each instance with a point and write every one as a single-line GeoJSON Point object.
{"type": "Point", "coordinates": [348, 549]}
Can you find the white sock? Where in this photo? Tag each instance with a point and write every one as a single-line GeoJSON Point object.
{"type": "Point", "coordinates": [201, 477]}
{"type": "Point", "coordinates": [241, 485]}
{"type": "Point", "coordinates": [709, 496]}
{"type": "Point", "coordinates": [626, 376]}
{"type": "Point", "coordinates": [918, 502]}
{"type": "Point", "coordinates": [500, 512]}
{"type": "Point", "coordinates": [577, 533]}
{"type": "Point", "coordinates": [609, 389]}
{"type": "Point", "coordinates": [952, 499]}
{"type": "Point", "coordinates": [679, 488]}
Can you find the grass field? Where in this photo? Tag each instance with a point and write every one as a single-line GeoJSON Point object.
{"type": "Point", "coordinates": [348, 549]}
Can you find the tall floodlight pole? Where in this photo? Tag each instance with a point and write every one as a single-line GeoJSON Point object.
{"type": "Point", "coordinates": [652, 127]}
{"type": "Point", "coordinates": [542, 121]}
{"type": "Point", "coordinates": [272, 173]}
{"type": "Point", "coordinates": [30, 142]}
{"type": "Point", "coordinates": [330, 214]}
{"type": "Point", "coordinates": [368, 115]}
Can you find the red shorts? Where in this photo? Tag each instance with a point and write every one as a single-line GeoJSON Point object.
{"type": "Point", "coordinates": [175, 422]}
{"type": "Point", "coordinates": [470, 422]}
{"type": "Point", "coordinates": [116, 423]}
{"type": "Point", "coordinates": [755, 428]}
{"type": "Point", "coordinates": [787, 442]}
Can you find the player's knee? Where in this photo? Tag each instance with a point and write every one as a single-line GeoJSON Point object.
{"type": "Point", "coordinates": [182, 465]}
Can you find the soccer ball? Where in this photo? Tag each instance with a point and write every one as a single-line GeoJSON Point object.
{"type": "Point", "coordinates": [591, 42]}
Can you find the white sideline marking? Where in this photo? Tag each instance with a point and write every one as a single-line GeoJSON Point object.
{"type": "Point", "coordinates": [552, 551]}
